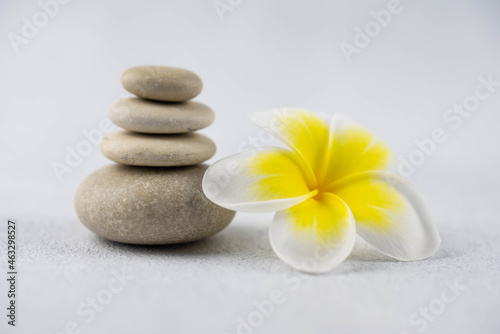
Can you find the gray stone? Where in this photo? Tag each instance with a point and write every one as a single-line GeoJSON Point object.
{"type": "Point", "coordinates": [146, 116]}
{"type": "Point", "coordinates": [149, 206]}
{"type": "Point", "coordinates": [162, 83]}
{"type": "Point", "coordinates": [138, 149]}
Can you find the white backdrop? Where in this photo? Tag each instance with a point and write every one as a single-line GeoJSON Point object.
{"type": "Point", "coordinates": [60, 72]}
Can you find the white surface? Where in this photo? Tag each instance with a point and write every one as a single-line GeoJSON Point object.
{"type": "Point", "coordinates": [264, 54]}
{"type": "Point", "coordinates": [204, 287]}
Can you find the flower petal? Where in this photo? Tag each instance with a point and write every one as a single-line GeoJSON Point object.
{"type": "Point", "coordinates": [390, 214]}
{"type": "Point", "coordinates": [302, 131]}
{"type": "Point", "coordinates": [352, 149]}
{"type": "Point", "coordinates": [315, 235]}
{"type": "Point", "coordinates": [260, 180]}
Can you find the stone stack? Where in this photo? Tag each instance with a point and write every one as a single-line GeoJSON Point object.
{"type": "Point", "coordinates": [153, 195]}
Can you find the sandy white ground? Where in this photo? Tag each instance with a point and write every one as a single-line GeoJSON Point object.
{"type": "Point", "coordinates": [205, 287]}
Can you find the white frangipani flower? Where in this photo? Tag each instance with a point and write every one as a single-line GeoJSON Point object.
{"type": "Point", "coordinates": [330, 184]}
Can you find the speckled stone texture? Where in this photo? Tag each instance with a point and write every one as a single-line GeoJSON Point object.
{"type": "Point", "coordinates": [162, 83]}
{"type": "Point", "coordinates": [146, 116]}
{"type": "Point", "coordinates": [149, 206]}
{"type": "Point", "coordinates": [151, 150]}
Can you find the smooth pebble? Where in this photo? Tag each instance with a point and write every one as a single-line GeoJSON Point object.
{"type": "Point", "coordinates": [146, 116]}
{"type": "Point", "coordinates": [137, 149]}
{"type": "Point", "coordinates": [149, 206]}
{"type": "Point", "coordinates": [162, 83]}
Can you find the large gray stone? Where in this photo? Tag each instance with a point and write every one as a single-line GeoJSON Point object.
{"type": "Point", "coordinates": [151, 150]}
{"type": "Point", "coordinates": [146, 116]}
{"type": "Point", "coordinates": [162, 83]}
{"type": "Point", "coordinates": [149, 206]}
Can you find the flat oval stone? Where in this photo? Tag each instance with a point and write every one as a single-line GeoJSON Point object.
{"type": "Point", "coordinates": [162, 83]}
{"type": "Point", "coordinates": [149, 206]}
{"type": "Point", "coordinates": [138, 149]}
{"type": "Point", "coordinates": [146, 116]}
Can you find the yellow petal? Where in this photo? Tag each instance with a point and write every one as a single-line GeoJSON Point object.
{"type": "Point", "coordinates": [302, 131]}
{"type": "Point", "coordinates": [314, 236]}
{"type": "Point", "coordinates": [389, 214]}
{"type": "Point", "coordinates": [352, 150]}
{"type": "Point", "coordinates": [262, 180]}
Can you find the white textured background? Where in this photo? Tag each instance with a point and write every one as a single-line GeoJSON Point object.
{"type": "Point", "coordinates": [262, 54]}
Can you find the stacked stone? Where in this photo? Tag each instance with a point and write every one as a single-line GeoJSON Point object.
{"type": "Point", "coordinates": [154, 195]}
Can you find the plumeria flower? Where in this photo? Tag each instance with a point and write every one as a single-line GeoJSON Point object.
{"type": "Point", "coordinates": [331, 183]}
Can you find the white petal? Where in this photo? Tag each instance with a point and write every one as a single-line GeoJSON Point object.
{"type": "Point", "coordinates": [304, 132]}
{"type": "Point", "coordinates": [390, 215]}
{"type": "Point", "coordinates": [352, 149]}
{"type": "Point", "coordinates": [314, 236]}
{"type": "Point", "coordinates": [260, 180]}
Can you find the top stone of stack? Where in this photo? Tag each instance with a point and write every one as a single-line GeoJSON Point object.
{"type": "Point", "coordinates": [162, 83]}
